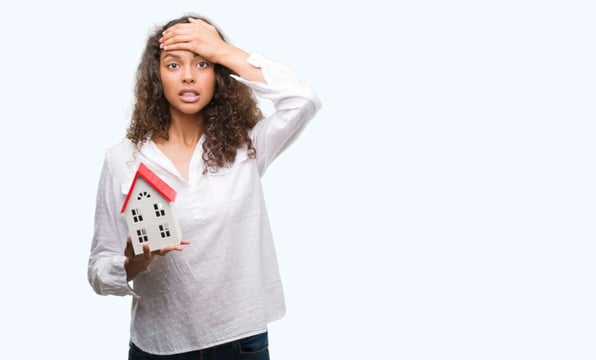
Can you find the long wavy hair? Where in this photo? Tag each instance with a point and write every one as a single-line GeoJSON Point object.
{"type": "Point", "coordinates": [227, 118]}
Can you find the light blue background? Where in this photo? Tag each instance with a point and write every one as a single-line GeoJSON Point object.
{"type": "Point", "coordinates": [440, 206]}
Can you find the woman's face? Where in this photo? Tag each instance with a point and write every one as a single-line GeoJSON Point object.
{"type": "Point", "coordinates": [188, 80]}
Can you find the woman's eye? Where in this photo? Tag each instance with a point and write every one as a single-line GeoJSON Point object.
{"type": "Point", "coordinates": [172, 66]}
{"type": "Point", "coordinates": [202, 64]}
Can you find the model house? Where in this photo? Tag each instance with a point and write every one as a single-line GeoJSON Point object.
{"type": "Point", "coordinates": [149, 212]}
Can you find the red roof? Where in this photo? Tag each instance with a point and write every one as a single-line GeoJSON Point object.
{"type": "Point", "coordinates": [149, 176]}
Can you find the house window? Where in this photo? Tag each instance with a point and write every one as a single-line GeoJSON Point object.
{"type": "Point", "coordinates": [164, 230]}
{"type": "Point", "coordinates": [159, 210]}
{"type": "Point", "coordinates": [143, 194]}
{"type": "Point", "coordinates": [142, 235]}
{"type": "Point", "coordinates": [136, 215]}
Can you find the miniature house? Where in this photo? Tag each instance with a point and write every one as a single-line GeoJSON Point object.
{"type": "Point", "coordinates": [149, 212]}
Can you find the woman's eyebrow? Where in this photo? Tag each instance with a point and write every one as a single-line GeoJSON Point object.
{"type": "Point", "coordinates": [171, 55]}
{"type": "Point", "coordinates": [194, 55]}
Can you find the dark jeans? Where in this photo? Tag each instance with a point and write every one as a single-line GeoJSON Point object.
{"type": "Point", "coordinates": [254, 347]}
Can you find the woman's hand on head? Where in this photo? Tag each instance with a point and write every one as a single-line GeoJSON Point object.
{"type": "Point", "coordinates": [135, 264]}
{"type": "Point", "coordinates": [203, 39]}
{"type": "Point", "coordinates": [197, 36]}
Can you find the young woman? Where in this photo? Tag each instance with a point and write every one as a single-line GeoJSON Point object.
{"type": "Point", "coordinates": [196, 125]}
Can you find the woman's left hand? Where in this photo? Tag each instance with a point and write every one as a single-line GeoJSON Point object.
{"type": "Point", "coordinates": [197, 36]}
{"type": "Point", "coordinates": [203, 39]}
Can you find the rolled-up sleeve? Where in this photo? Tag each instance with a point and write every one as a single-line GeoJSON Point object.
{"type": "Point", "coordinates": [106, 273]}
{"type": "Point", "coordinates": [295, 104]}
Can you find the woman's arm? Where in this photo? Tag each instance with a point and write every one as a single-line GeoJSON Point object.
{"type": "Point", "coordinates": [295, 104]}
{"type": "Point", "coordinates": [294, 101]}
{"type": "Point", "coordinates": [106, 267]}
{"type": "Point", "coordinates": [112, 263]}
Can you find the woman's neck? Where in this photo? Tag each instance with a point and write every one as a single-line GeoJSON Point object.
{"type": "Point", "coordinates": [185, 130]}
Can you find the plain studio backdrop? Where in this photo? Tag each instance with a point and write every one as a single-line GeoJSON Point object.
{"type": "Point", "coordinates": [440, 206]}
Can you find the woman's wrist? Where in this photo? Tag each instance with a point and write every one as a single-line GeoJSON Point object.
{"type": "Point", "coordinates": [236, 60]}
{"type": "Point", "coordinates": [134, 268]}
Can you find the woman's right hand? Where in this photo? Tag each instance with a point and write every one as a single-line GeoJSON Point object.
{"type": "Point", "coordinates": [135, 264]}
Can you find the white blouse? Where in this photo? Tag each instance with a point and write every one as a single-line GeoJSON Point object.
{"type": "Point", "coordinates": [225, 285]}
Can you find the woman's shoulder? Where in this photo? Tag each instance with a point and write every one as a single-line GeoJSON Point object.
{"type": "Point", "coordinates": [124, 147]}
{"type": "Point", "coordinates": [121, 158]}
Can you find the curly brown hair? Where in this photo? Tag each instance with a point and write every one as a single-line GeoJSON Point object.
{"type": "Point", "coordinates": [227, 118]}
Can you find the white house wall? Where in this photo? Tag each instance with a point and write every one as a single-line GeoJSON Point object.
{"type": "Point", "coordinates": [150, 222]}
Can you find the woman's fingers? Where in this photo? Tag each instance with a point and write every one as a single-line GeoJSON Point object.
{"type": "Point", "coordinates": [167, 249]}
{"type": "Point", "coordinates": [171, 42]}
{"type": "Point", "coordinates": [147, 252]}
{"type": "Point", "coordinates": [128, 250]}
{"type": "Point", "coordinates": [196, 36]}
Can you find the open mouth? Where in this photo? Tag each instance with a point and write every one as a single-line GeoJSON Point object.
{"type": "Point", "coordinates": [189, 96]}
